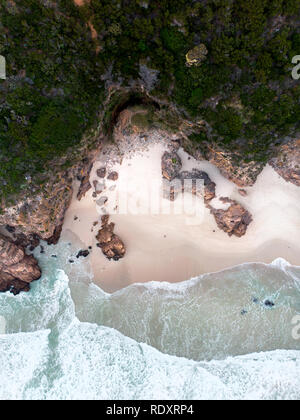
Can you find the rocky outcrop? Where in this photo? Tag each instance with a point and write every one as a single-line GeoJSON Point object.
{"type": "Point", "coordinates": [236, 170]}
{"type": "Point", "coordinates": [42, 214]}
{"type": "Point", "coordinates": [111, 245]}
{"type": "Point", "coordinates": [170, 165]}
{"type": "Point", "coordinates": [17, 270]}
{"type": "Point", "coordinates": [187, 181]}
{"type": "Point", "coordinates": [287, 163]}
{"type": "Point", "coordinates": [235, 220]}
{"type": "Point", "coordinates": [85, 184]}
{"type": "Point", "coordinates": [209, 186]}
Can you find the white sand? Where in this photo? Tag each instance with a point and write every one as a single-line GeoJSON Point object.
{"type": "Point", "coordinates": [168, 247]}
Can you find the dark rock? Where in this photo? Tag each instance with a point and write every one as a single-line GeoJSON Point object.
{"type": "Point", "coordinates": [10, 229]}
{"type": "Point", "coordinates": [29, 240]}
{"type": "Point", "coordinates": [71, 261]}
{"type": "Point", "coordinates": [85, 186]}
{"type": "Point", "coordinates": [209, 186]}
{"type": "Point", "coordinates": [244, 312]}
{"type": "Point", "coordinates": [269, 303]}
{"type": "Point", "coordinates": [82, 253]}
{"type": "Point", "coordinates": [54, 256]}
{"type": "Point", "coordinates": [56, 235]}
{"type": "Point", "coordinates": [101, 173]}
{"type": "Point", "coordinates": [113, 176]}
{"type": "Point", "coordinates": [189, 182]}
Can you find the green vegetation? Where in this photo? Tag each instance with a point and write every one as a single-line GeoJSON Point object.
{"type": "Point", "coordinates": [57, 72]}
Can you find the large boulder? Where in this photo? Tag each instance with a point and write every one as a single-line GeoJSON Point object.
{"type": "Point", "coordinates": [17, 270]}
{"type": "Point", "coordinates": [111, 245]}
{"type": "Point", "coordinates": [235, 220]}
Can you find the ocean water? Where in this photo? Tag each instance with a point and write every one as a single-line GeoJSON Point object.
{"type": "Point", "coordinates": [212, 337]}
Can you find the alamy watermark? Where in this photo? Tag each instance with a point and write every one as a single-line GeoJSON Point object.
{"type": "Point", "coordinates": [2, 67]}
{"type": "Point", "coordinates": [296, 329]}
{"type": "Point", "coordinates": [178, 197]}
{"type": "Point", "coordinates": [2, 325]}
{"type": "Point", "coordinates": [296, 69]}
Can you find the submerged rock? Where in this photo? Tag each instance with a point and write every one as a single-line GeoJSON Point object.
{"type": "Point", "coordinates": [111, 245]}
{"type": "Point", "coordinates": [17, 270]}
{"type": "Point", "coordinates": [83, 253]}
{"type": "Point", "coordinates": [269, 303]}
{"type": "Point", "coordinates": [235, 220]}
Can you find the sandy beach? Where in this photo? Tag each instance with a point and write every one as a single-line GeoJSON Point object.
{"type": "Point", "coordinates": [174, 247]}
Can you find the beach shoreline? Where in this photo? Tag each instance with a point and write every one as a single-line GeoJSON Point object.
{"type": "Point", "coordinates": [174, 248]}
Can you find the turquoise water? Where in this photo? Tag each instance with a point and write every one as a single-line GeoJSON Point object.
{"type": "Point", "coordinates": [211, 337]}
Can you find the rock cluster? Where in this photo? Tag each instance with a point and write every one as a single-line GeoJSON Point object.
{"type": "Point", "coordinates": [111, 245]}
{"type": "Point", "coordinates": [17, 270]}
{"type": "Point", "coordinates": [235, 220]}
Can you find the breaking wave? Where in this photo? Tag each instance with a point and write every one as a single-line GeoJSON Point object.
{"type": "Point", "coordinates": [225, 335]}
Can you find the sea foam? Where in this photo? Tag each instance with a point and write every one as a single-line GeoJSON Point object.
{"type": "Point", "coordinates": [51, 352]}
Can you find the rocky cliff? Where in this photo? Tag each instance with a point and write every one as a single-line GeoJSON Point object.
{"type": "Point", "coordinates": [17, 270]}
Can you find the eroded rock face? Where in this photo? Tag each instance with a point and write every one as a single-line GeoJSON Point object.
{"type": "Point", "coordinates": [287, 163]}
{"type": "Point", "coordinates": [17, 270]}
{"type": "Point", "coordinates": [85, 184]}
{"type": "Point", "coordinates": [241, 173]}
{"type": "Point", "coordinates": [111, 245]}
{"type": "Point", "coordinates": [170, 165]}
{"type": "Point", "coordinates": [43, 214]}
{"type": "Point", "coordinates": [235, 220]}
